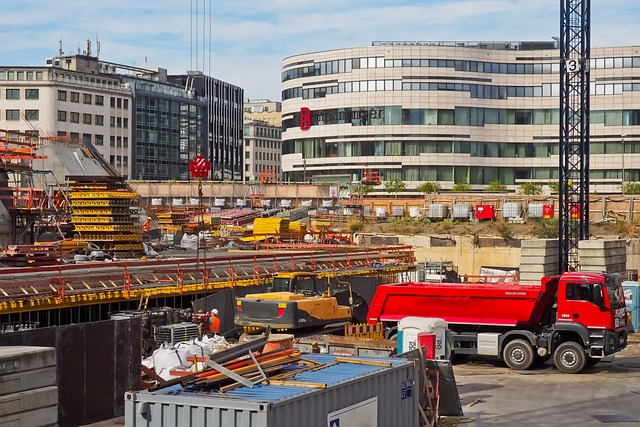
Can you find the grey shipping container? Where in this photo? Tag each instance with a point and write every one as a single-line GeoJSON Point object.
{"type": "Point", "coordinates": [378, 396]}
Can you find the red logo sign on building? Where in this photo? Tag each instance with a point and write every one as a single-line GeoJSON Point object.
{"type": "Point", "coordinates": [199, 167]}
{"type": "Point", "coordinates": [305, 118]}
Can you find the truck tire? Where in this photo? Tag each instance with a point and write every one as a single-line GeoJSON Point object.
{"type": "Point", "coordinates": [518, 355]}
{"type": "Point", "coordinates": [570, 357]}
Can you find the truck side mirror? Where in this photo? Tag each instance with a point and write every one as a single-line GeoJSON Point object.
{"type": "Point", "coordinates": [597, 294]}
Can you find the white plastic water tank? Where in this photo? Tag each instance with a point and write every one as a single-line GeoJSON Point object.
{"type": "Point", "coordinates": [414, 212]}
{"type": "Point", "coordinates": [438, 211]}
{"type": "Point", "coordinates": [177, 201]}
{"type": "Point", "coordinates": [194, 201]}
{"type": "Point", "coordinates": [219, 202]}
{"type": "Point", "coordinates": [397, 211]}
{"type": "Point", "coordinates": [306, 203]}
{"type": "Point", "coordinates": [285, 203]}
{"type": "Point", "coordinates": [511, 210]}
{"type": "Point", "coordinates": [409, 328]}
{"type": "Point", "coordinates": [461, 211]}
{"type": "Point", "coordinates": [327, 203]}
{"type": "Point", "coordinates": [535, 210]}
{"type": "Point", "coordinates": [239, 202]}
{"type": "Point", "coordinates": [381, 212]}
{"type": "Point", "coordinates": [266, 203]}
{"type": "Point", "coordinates": [156, 201]}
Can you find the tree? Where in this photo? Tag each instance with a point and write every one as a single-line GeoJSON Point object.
{"type": "Point", "coordinates": [632, 188]}
{"type": "Point", "coordinates": [394, 186]}
{"type": "Point", "coordinates": [429, 187]}
{"type": "Point", "coordinates": [554, 187]}
{"type": "Point", "coordinates": [496, 187]}
{"type": "Point", "coordinates": [461, 187]}
{"type": "Point", "coordinates": [530, 189]}
{"type": "Point", "coordinates": [361, 189]}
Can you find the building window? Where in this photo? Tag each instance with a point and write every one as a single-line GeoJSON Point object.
{"type": "Point", "coordinates": [112, 160]}
{"type": "Point", "coordinates": [86, 138]}
{"type": "Point", "coordinates": [125, 104]}
{"type": "Point", "coordinates": [112, 122]}
{"type": "Point", "coordinates": [99, 120]}
{"type": "Point", "coordinates": [113, 102]}
{"type": "Point", "coordinates": [75, 96]}
{"type": "Point", "coordinates": [112, 141]}
{"type": "Point", "coordinates": [39, 75]}
{"type": "Point", "coordinates": [125, 141]}
{"type": "Point", "coordinates": [125, 160]}
{"type": "Point", "coordinates": [12, 114]}
{"type": "Point", "coordinates": [62, 116]}
{"type": "Point", "coordinates": [75, 117]}
{"type": "Point", "coordinates": [119, 141]}
{"type": "Point", "coordinates": [119, 122]}
{"type": "Point", "coordinates": [125, 123]}
{"type": "Point", "coordinates": [11, 75]}
{"type": "Point", "coordinates": [99, 140]}
{"type": "Point", "coordinates": [32, 94]}
{"type": "Point", "coordinates": [86, 98]}
{"type": "Point", "coordinates": [13, 94]}
{"type": "Point", "coordinates": [86, 119]}
{"type": "Point", "coordinates": [119, 102]}
{"type": "Point", "coordinates": [74, 136]}
{"type": "Point", "coordinates": [62, 133]}
{"type": "Point", "coordinates": [99, 100]}
{"type": "Point", "coordinates": [62, 95]}
{"type": "Point", "coordinates": [29, 75]}
{"type": "Point", "coordinates": [32, 114]}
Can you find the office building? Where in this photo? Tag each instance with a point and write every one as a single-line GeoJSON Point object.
{"type": "Point", "coordinates": [453, 113]}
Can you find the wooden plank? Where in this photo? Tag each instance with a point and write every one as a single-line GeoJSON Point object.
{"type": "Point", "coordinates": [363, 361]}
{"type": "Point", "coordinates": [291, 383]}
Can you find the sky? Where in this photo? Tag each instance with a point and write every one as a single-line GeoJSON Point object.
{"type": "Point", "coordinates": [243, 42]}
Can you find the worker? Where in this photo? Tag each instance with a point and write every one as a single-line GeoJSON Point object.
{"type": "Point", "coordinates": [214, 322]}
{"type": "Point", "coordinates": [147, 225]}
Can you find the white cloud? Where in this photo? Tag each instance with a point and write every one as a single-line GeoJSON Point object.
{"type": "Point", "coordinates": [250, 37]}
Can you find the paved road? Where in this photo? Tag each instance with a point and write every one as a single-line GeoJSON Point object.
{"type": "Point", "coordinates": [606, 395]}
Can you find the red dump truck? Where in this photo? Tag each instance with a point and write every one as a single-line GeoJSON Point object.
{"type": "Point", "coordinates": [577, 318]}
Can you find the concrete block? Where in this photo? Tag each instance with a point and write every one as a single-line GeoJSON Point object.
{"type": "Point", "coordinates": [602, 244]}
{"type": "Point", "coordinates": [531, 278]}
{"type": "Point", "coordinates": [539, 251]}
{"type": "Point", "coordinates": [27, 400]}
{"type": "Point", "coordinates": [539, 243]}
{"type": "Point", "coordinates": [539, 260]}
{"type": "Point", "coordinates": [21, 358]}
{"type": "Point", "coordinates": [41, 417]}
{"type": "Point", "coordinates": [597, 260]}
{"type": "Point", "coordinates": [28, 380]}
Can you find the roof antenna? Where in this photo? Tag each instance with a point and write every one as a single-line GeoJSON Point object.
{"type": "Point", "coordinates": [60, 49]}
{"type": "Point", "coordinates": [97, 47]}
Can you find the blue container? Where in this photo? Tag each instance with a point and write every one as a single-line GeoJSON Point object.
{"type": "Point", "coordinates": [632, 298]}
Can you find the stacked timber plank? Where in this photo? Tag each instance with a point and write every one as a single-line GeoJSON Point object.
{"type": "Point", "coordinates": [297, 229]}
{"type": "Point", "coordinates": [28, 392]}
{"type": "Point", "coordinates": [30, 255]}
{"type": "Point", "coordinates": [237, 217]}
{"type": "Point", "coordinates": [270, 227]}
{"type": "Point", "coordinates": [105, 213]}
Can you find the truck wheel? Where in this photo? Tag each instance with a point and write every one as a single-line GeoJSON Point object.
{"type": "Point", "coordinates": [518, 355]}
{"type": "Point", "coordinates": [570, 357]}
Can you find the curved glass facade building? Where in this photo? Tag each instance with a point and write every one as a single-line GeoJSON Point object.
{"type": "Point", "coordinates": [452, 112]}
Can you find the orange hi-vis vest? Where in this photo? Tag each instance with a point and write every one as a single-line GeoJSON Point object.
{"type": "Point", "coordinates": [214, 324]}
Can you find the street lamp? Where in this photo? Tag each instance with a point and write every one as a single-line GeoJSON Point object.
{"type": "Point", "coordinates": [622, 180]}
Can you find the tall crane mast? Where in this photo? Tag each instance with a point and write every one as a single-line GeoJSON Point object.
{"type": "Point", "coordinates": [575, 55]}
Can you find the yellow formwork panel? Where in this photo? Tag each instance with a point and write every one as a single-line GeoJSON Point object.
{"type": "Point", "coordinates": [112, 237]}
{"type": "Point", "coordinates": [102, 203]}
{"type": "Point", "coordinates": [112, 211]}
{"type": "Point", "coordinates": [113, 227]}
{"type": "Point", "coordinates": [103, 195]}
{"type": "Point", "coordinates": [121, 219]}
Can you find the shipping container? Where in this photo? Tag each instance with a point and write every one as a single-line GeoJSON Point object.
{"type": "Point", "coordinates": [383, 393]}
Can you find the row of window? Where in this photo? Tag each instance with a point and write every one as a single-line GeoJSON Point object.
{"type": "Point", "coordinates": [460, 116]}
{"type": "Point", "coordinates": [273, 157]}
{"type": "Point", "coordinates": [474, 90]}
{"type": "Point", "coordinates": [14, 114]}
{"type": "Point", "coordinates": [119, 160]}
{"type": "Point", "coordinates": [74, 117]}
{"type": "Point", "coordinates": [259, 143]}
{"type": "Point", "coordinates": [259, 168]}
{"type": "Point", "coordinates": [347, 65]}
{"type": "Point", "coordinates": [475, 175]}
{"type": "Point", "coordinates": [63, 95]}
{"type": "Point", "coordinates": [12, 93]}
{"type": "Point", "coordinates": [319, 148]}
{"type": "Point", "coordinates": [19, 75]}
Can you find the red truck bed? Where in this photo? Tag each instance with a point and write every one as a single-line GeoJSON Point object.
{"type": "Point", "coordinates": [496, 304]}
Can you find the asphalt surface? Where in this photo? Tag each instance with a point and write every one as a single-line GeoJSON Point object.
{"type": "Point", "coordinates": [606, 395]}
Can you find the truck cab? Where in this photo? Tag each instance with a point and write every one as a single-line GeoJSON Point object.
{"type": "Point", "coordinates": [592, 305]}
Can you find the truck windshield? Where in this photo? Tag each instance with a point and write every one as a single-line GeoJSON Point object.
{"type": "Point", "coordinates": [281, 284]}
{"type": "Point", "coordinates": [614, 290]}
